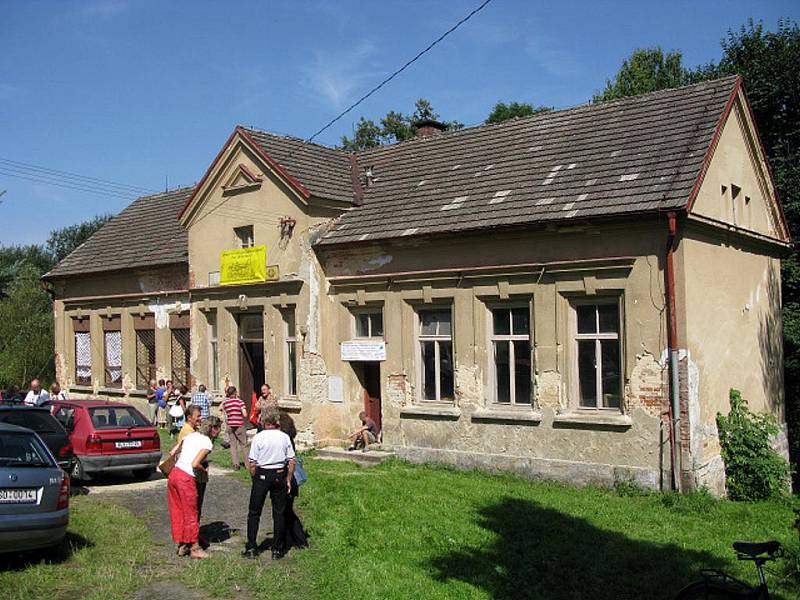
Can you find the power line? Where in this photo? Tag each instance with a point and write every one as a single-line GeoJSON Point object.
{"type": "Point", "coordinates": [112, 193]}
{"type": "Point", "coordinates": [401, 69]}
{"type": "Point", "coordinates": [19, 165]}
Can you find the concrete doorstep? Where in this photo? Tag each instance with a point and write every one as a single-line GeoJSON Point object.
{"type": "Point", "coordinates": [368, 459]}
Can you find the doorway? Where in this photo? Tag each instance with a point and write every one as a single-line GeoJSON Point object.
{"type": "Point", "coordinates": [369, 376]}
{"type": "Point", "coordinates": [251, 355]}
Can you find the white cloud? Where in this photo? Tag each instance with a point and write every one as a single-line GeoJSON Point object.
{"type": "Point", "coordinates": [339, 76]}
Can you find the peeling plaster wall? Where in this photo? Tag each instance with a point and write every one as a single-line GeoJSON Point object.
{"type": "Point", "coordinates": [733, 332]}
{"type": "Point", "coordinates": [472, 431]}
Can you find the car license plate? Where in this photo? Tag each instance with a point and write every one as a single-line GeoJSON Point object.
{"type": "Point", "coordinates": [131, 444]}
{"type": "Point", "coordinates": [19, 496]}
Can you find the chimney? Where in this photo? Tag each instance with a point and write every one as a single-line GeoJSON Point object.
{"type": "Point", "coordinates": [429, 128]}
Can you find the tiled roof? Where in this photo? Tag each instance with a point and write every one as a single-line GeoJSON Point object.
{"type": "Point", "coordinates": [146, 233]}
{"type": "Point", "coordinates": [324, 171]}
{"type": "Point", "coordinates": [628, 156]}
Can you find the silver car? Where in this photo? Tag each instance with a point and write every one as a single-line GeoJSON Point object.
{"type": "Point", "coordinates": [34, 492]}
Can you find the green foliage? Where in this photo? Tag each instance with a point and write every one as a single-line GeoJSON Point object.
{"type": "Point", "coordinates": [502, 111]}
{"type": "Point", "coordinates": [394, 127]}
{"type": "Point", "coordinates": [753, 469]}
{"type": "Point", "coordinates": [791, 554]}
{"type": "Point", "coordinates": [26, 330]}
{"type": "Point", "coordinates": [628, 488]}
{"type": "Point", "coordinates": [26, 314]}
{"type": "Point", "coordinates": [647, 70]}
{"type": "Point", "coordinates": [63, 241]}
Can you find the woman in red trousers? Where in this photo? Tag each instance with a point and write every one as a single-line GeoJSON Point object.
{"type": "Point", "coordinates": [182, 490]}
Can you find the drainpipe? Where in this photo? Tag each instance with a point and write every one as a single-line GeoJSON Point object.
{"type": "Point", "coordinates": [672, 336]}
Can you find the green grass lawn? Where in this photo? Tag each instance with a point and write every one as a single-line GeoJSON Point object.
{"type": "Point", "coordinates": [106, 555]}
{"type": "Point", "coordinates": [406, 531]}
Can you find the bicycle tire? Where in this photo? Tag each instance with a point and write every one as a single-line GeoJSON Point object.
{"type": "Point", "coordinates": [711, 590]}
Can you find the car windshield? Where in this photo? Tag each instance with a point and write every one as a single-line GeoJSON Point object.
{"type": "Point", "coordinates": [116, 417]}
{"type": "Point", "coordinates": [39, 420]}
{"type": "Point", "coordinates": [23, 450]}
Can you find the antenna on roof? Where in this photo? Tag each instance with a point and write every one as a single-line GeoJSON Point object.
{"type": "Point", "coordinates": [166, 183]}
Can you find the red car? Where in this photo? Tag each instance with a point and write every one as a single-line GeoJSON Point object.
{"type": "Point", "coordinates": [108, 437]}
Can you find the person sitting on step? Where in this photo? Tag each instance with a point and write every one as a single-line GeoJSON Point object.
{"type": "Point", "coordinates": [365, 435]}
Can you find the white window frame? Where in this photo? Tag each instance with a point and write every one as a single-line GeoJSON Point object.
{"type": "Point", "coordinates": [437, 338]}
{"type": "Point", "coordinates": [377, 310]}
{"type": "Point", "coordinates": [243, 242]}
{"type": "Point", "coordinates": [289, 340]}
{"type": "Point", "coordinates": [528, 337]}
{"type": "Point", "coordinates": [615, 301]}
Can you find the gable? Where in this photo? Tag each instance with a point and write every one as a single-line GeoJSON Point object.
{"type": "Point", "coordinates": [737, 189]}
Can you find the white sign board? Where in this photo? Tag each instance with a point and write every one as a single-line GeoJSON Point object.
{"type": "Point", "coordinates": [364, 350]}
{"type": "Point", "coordinates": [335, 389]}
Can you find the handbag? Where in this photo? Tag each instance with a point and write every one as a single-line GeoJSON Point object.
{"type": "Point", "coordinates": [175, 411]}
{"type": "Point", "coordinates": [166, 465]}
{"type": "Point", "coordinates": [300, 475]}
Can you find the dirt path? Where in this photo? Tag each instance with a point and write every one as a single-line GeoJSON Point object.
{"type": "Point", "coordinates": [223, 523]}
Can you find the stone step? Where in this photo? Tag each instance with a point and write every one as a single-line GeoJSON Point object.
{"type": "Point", "coordinates": [373, 457]}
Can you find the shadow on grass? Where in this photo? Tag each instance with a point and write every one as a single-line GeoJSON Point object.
{"type": "Point", "coordinates": [542, 553]}
{"type": "Point", "coordinates": [217, 532]}
{"type": "Point", "coordinates": [71, 543]}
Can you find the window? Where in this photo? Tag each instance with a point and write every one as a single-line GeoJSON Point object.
{"type": "Point", "coordinates": [144, 325]}
{"type": "Point", "coordinates": [290, 351]}
{"type": "Point", "coordinates": [735, 191]}
{"type": "Point", "coordinates": [436, 354]}
{"type": "Point", "coordinates": [511, 345]}
{"type": "Point", "coordinates": [213, 352]}
{"type": "Point", "coordinates": [244, 236]}
{"type": "Point", "coordinates": [83, 353]}
{"type": "Point", "coordinates": [113, 358]}
{"type": "Point", "coordinates": [597, 350]}
{"type": "Point", "coordinates": [180, 357]}
{"type": "Point", "coordinates": [369, 324]}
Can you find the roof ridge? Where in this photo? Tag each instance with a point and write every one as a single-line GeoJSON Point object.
{"type": "Point", "coordinates": [294, 138]}
{"type": "Point", "coordinates": [547, 114]}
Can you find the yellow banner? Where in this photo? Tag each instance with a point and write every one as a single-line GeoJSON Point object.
{"type": "Point", "coordinates": [245, 265]}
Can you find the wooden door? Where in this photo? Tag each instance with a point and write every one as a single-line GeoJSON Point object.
{"type": "Point", "coordinates": [371, 381]}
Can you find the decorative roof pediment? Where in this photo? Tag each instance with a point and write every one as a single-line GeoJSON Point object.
{"type": "Point", "coordinates": [242, 180]}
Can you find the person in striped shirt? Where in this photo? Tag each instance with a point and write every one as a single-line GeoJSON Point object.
{"type": "Point", "coordinates": [235, 418]}
{"type": "Point", "coordinates": [201, 399]}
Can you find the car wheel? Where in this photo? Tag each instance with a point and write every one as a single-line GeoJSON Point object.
{"type": "Point", "coordinates": [78, 473]}
{"type": "Point", "coordinates": [143, 473]}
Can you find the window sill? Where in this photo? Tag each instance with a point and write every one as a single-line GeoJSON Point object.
{"type": "Point", "coordinates": [290, 403]}
{"type": "Point", "coordinates": [83, 389]}
{"type": "Point", "coordinates": [117, 391]}
{"type": "Point", "coordinates": [592, 419]}
{"type": "Point", "coordinates": [524, 415]}
{"type": "Point", "coordinates": [444, 411]}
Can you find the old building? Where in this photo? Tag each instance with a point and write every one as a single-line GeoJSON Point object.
{"type": "Point", "coordinates": [531, 296]}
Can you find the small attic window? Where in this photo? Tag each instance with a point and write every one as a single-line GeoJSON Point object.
{"type": "Point", "coordinates": [244, 236]}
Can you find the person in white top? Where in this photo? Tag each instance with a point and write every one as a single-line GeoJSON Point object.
{"type": "Point", "coordinates": [182, 489]}
{"type": "Point", "coordinates": [56, 393]}
{"type": "Point", "coordinates": [36, 395]}
{"type": "Point", "coordinates": [271, 464]}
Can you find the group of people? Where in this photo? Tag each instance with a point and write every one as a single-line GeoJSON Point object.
{"type": "Point", "coordinates": [271, 461]}
{"type": "Point", "coordinates": [36, 395]}
{"type": "Point", "coordinates": [166, 403]}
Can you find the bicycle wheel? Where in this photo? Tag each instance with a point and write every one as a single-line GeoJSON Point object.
{"type": "Point", "coordinates": [709, 590]}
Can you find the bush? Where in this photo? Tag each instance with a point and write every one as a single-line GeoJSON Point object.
{"type": "Point", "coordinates": [754, 471]}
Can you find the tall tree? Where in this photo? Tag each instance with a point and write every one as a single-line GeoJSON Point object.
{"type": "Point", "coordinates": [646, 70]}
{"type": "Point", "coordinates": [394, 127]}
{"type": "Point", "coordinates": [26, 330]}
{"type": "Point", "coordinates": [502, 111]}
{"type": "Point", "coordinates": [63, 241]}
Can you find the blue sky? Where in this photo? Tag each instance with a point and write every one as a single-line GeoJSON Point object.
{"type": "Point", "coordinates": [135, 91]}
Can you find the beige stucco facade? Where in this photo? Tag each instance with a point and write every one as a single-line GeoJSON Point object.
{"type": "Point", "coordinates": [727, 310]}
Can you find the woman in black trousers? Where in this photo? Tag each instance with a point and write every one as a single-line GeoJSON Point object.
{"type": "Point", "coordinates": [295, 534]}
